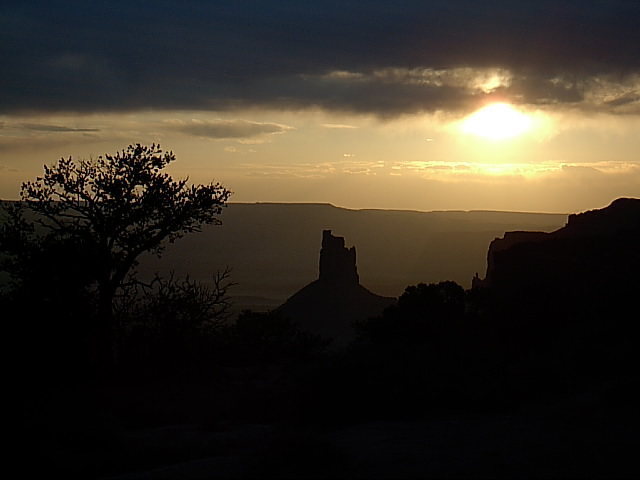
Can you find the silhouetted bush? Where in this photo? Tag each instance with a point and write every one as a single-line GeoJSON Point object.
{"type": "Point", "coordinates": [171, 324]}
{"type": "Point", "coordinates": [424, 313]}
{"type": "Point", "coordinates": [48, 304]}
{"type": "Point", "coordinates": [258, 338]}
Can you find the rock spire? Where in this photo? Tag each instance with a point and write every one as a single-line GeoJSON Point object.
{"type": "Point", "coordinates": [337, 263]}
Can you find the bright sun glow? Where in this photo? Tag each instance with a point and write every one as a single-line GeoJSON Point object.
{"type": "Point", "coordinates": [498, 121]}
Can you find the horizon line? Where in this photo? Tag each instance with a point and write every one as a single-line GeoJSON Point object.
{"type": "Point", "coordinates": [410, 210]}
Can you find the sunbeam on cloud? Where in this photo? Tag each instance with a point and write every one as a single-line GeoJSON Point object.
{"type": "Point", "coordinates": [338, 125]}
{"type": "Point", "coordinates": [497, 121]}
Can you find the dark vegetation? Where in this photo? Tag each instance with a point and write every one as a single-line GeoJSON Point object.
{"type": "Point", "coordinates": [180, 379]}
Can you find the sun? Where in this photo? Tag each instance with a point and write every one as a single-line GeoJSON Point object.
{"type": "Point", "coordinates": [497, 121]}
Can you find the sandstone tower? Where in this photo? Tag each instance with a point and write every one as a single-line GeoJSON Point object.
{"type": "Point", "coordinates": [331, 304]}
{"type": "Point", "coordinates": [337, 263]}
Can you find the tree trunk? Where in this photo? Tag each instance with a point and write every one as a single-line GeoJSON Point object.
{"type": "Point", "coordinates": [105, 331]}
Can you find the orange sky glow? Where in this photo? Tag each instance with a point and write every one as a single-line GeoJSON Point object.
{"type": "Point", "coordinates": [498, 157]}
{"type": "Point", "coordinates": [526, 106]}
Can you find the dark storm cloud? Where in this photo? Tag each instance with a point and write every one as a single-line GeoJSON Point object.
{"type": "Point", "coordinates": [97, 56]}
{"type": "Point", "coordinates": [624, 100]}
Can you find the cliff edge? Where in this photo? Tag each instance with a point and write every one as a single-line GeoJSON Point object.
{"type": "Point", "coordinates": [596, 253]}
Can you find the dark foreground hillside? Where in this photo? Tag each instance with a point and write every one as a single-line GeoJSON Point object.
{"type": "Point", "coordinates": [532, 373]}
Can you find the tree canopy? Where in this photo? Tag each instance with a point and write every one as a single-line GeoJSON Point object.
{"type": "Point", "coordinates": [111, 210]}
{"type": "Point", "coordinates": [121, 205]}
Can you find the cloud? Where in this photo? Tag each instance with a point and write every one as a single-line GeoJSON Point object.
{"type": "Point", "coordinates": [374, 57]}
{"type": "Point", "coordinates": [338, 126]}
{"type": "Point", "coordinates": [333, 170]}
{"type": "Point", "coordinates": [36, 127]}
{"type": "Point", "coordinates": [228, 129]}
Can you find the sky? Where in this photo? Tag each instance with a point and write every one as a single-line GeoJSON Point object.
{"type": "Point", "coordinates": [423, 105]}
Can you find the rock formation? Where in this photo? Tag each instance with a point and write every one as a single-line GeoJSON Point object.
{"type": "Point", "coordinates": [337, 263]}
{"type": "Point", "coordinates": [331, 304]}
{"type": "Point", "coordinates": [595, 256]}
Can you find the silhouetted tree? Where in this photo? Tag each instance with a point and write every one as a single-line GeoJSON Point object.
{"type": "Point", "coordinates": [188, 304]}
{"type": "Point", "coordinates": [171, 321]}
{"type": "Point", "coordinates": [422, 314]}
{"type": "Point", "coordinates": [112, 209]}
